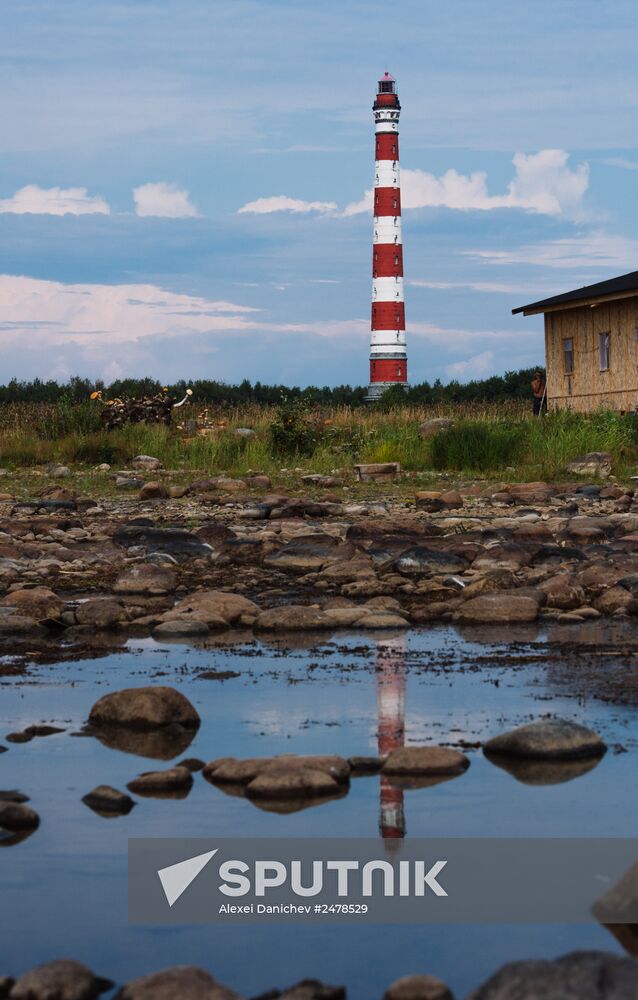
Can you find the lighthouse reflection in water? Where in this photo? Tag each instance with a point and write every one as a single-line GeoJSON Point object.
{"type": "Point", "coordinates": [391, 681]}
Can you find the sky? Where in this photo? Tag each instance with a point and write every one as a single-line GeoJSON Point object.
{"type": "Point", "coordinates": [185, 185]}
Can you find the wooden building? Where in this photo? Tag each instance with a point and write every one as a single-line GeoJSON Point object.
{"type": "Point", "coordinates": [591, 345]}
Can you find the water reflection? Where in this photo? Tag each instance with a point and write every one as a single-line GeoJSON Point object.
{"type": "Point", "coordinates": [391, 682]}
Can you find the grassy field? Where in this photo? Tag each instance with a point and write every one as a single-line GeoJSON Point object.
{"type": "Point", "coordinates": [502, 441]}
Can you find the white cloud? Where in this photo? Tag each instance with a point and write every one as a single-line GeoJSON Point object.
{"type": "Point", "coordinates": [476, 367]}
{"type": "Point", "coordinates": [620, 161]}
{"type": "Point", "coordinates": [542, 183]}
{"type": "Point", "coordinates": [163, 200]}
{"type": "Point", "coordinates": [281, 203]}
{"type": "Point", "coordinates": [35, 200]}
{"type": "Point", "coordinates": [594, 249]}
{"type": "Point", "coordinates": [475, 286]}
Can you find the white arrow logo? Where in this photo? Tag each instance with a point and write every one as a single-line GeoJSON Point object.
{"type": "Point", "coordinates": [176, 878]}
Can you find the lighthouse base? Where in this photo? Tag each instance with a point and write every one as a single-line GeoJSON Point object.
{"type": "Point", "coordinates": [376, 390]}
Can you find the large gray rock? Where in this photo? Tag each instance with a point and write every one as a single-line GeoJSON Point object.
{"type": "Point", "coordinates": [174, 779]}
{"type": "Point", "coordinates": [435, 425]}
{"type": "Point", "coordinates": [100, 612]}
{"type": "Point", "coordinates": [38, 603]}
{"type": "Point", "coordinates": [585, 975]}
{"type": "Point", "coordinates": [144, 708]}
{"type": "Point", "coordinates": [549, 739]}
{"type": "Point", "coordinates": [293, 617]}
{"type": "Point", "coordinates": [498, 608]}
{"type": "Point", "coordinates": [62, 979]}
{"type": "Point", "coordinates": [146, 578]}
{"type": "Point", "coordinates": [594, 463]}
{"type": "Point", "coordinates": [214, 608]}
{"type": "Point", "coordinates": [425, 760]}
{"type": "Point", "coordinates": [421, 561]}
{"type": "Point", "coordinates": [182, 982]}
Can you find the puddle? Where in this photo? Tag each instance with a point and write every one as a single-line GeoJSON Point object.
{"type": "Point", "coordinates": [64, 888]}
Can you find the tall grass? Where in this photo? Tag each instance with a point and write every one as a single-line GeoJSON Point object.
{"type": "Point", "coordinates": [502, 440]}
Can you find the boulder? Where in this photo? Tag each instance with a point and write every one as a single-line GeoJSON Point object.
{"type": "Point", "coordinates": [615, 599]}
{"type": "Point", "coordinates": [293, 617]}
{"type": "Point", "coordinates": [182, 982]}
{"type": "Point", "coordinates": [147, 463]}
{"type": "Point", "coordinates": [421, 561]}
{"type": "Point", "coordinates": [173, 779]}
{"type": "Point", "coordinates": [38, 603]}
{"type": "Point", "coordinates": [100, 612]}
{"type": "Point", "coordinates": [291, 783]}
{"type": "Point", "coordinates": [529, 493]}
{"type": "Point", "coordinates": [496, 608]}
{"type": "Point", "coordinates": [154, 490]}
{"type": "Point", "coordinates": [418, 988]}
{"type": "Point", "coordinates": [563, 591]}
{"type": "Point", "coordinates": [144, 708]}
{"type": "Point", "coordinates": [594, 463]}
{"type": "Point", "coordinates": [237, 771]}
{"type": "Point", "coordinates": [62, 979]}
{"type": "Point", "coordinates": [108, 801]}
{"type": "Point", "coordinates": [177, 541]}
{"type": "Point", "coordinates": [308, 989]}
{"type": "Point", "coordinates": [425, 760]}
{"type": "Point", "coordinates": [435, 425]}
{"type": "Point", "coordinates": [146, 578]}
{"type": "Point", "coordinates": [377, 472]}
{"type": "Point", "coordinates": [186, 628]}
{"type": "Point", "coordinates": [548, 739]}
{"type": "Point", "coordinates": [211, 606]}
{"type": "Point", "coordinates": [581, 975]}
{"type": "Point", "coordinates": [17, 816]}
{"type": "Point", "coordinates": [298, 558]}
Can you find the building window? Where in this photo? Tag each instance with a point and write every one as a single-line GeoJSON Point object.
{"type": "Point", "coordinates": [568, 355]}
{"type": "Point", "coordinates": [603, 350]}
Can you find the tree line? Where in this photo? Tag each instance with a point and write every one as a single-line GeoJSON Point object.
{"type": "Point", "coordinates": [511, 385]}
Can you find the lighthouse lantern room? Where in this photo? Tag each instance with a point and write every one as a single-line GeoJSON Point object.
{"type": "Point", "coordinates": [388, 358]}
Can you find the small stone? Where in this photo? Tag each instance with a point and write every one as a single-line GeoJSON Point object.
{"type": "Point", "coordinates": [548, 739]}
{"type": "Point", "coordinates": [105, 799]}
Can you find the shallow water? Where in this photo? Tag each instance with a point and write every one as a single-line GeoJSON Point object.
{"type": "Point", "coordinates": [64, 888]}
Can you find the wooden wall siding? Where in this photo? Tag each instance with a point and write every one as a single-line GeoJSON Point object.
{"type": "Point", "coordinates": [588, 388]}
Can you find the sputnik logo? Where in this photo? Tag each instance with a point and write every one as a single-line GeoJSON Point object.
{"type": "Point", "coordinates": [176, 878]}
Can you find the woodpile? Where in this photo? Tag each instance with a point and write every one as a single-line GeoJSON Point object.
{"type": "Point", "coordinates": [157, 409]}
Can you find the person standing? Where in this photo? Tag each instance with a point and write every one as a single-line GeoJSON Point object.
{"type": "Point", "coordinates": [538, 392]}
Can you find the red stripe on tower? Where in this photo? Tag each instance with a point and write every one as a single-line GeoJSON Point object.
{"type": "Point", "coordinates": [388, 358]}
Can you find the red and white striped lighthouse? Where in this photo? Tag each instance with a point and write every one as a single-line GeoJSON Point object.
{"type": "Point", "coordinates": [388, 358]}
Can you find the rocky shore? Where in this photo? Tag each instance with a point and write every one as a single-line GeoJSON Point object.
{"type": "Point", "coordinates": [229, 554]}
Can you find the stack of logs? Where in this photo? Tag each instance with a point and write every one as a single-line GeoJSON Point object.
{"type": "Point", "coordinates": [156, 409]}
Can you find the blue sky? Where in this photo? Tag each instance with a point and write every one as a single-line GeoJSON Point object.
{"type": "Point", "coordinates": [183, 183]}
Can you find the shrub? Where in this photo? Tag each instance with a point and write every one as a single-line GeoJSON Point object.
{"type": "Point", "coordinates": [479, 447]}
{"type": "Point", "coordinates": [296, 430]}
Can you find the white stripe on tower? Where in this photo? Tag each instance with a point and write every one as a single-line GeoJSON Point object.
{"type": "Point", "coordinates": [388, 359]}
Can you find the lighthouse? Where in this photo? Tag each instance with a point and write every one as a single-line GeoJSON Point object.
{"type": "Point", "coordinates": [388, 358]}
